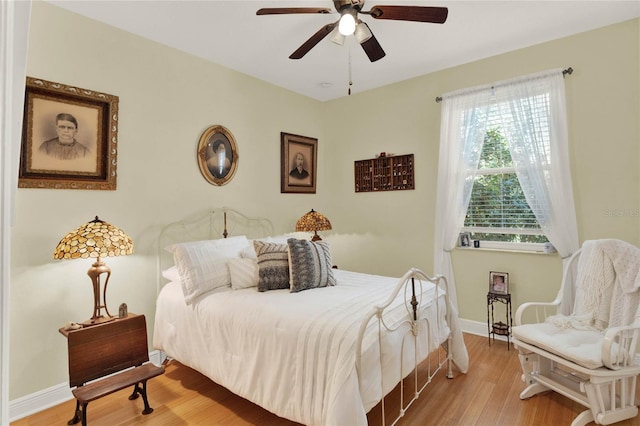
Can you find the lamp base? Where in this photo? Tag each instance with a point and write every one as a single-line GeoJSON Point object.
{"type": "Point", "coordinates": [316, 237]}
{"type": "Point", "coordinates": [97, 321]}
{"type": "Point", "coordinates": [95, 272]}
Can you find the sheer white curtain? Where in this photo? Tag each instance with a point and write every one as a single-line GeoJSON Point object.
{"type": "Point", "coordinates": [462, 129]}
{"type": "Point", "coordinates": [14, 32]}
{"type": "Point", "coordinates": [540, 151]}
{"type": "Point", "coordinates": [539, 147]}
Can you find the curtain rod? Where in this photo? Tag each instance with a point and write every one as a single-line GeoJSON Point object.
{"type": "Point", "coordinates": [564, 73]}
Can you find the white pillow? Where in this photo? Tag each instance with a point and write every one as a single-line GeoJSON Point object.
{"type": "Point", "coordinates": [171, 274]}
{"type": "Point", "coordinates": [244, 273]}
{"type": "Point", "coordinates": [202, 265]}
{"type": "Point", "coordinates": [282, 239]}
{"type": "Point", "coordinates": [223, 245]}
{"type": "Point", "coordinates": [249, 252]}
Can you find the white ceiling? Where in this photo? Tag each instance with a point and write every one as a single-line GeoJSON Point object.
{"type": "Point", "coordinates": [230, 34]}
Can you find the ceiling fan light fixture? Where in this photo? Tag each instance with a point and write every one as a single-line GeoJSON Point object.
{"type": "Point", "coordinates": [337, 37]}
{"type": "Point", "coordinates": [347, 23]}
{"type": "Point", "coordinates": [362, 32]}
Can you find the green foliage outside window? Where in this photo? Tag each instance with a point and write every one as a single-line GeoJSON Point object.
{"type": "Point", "coordinates": [497, 201]}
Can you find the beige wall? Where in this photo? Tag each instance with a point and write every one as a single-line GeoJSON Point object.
{"type": "Point", "coordinates": [168, 98]}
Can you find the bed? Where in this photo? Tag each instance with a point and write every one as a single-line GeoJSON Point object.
{"type": "Point", "coordinates": [323, 355]}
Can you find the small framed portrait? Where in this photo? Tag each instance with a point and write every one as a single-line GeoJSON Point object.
{"type": "Point", "coordinates": [69, 137]}
{"type": "Point", "coordinates": [218, 155]}
{"type": "Point", "coordinates": [464, 239]}
{"type": "Point", "coordinates": [298, 163]}
{"type": "Point", "coordinates": [498, 282]}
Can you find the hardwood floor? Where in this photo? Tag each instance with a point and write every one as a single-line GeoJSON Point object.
{"type": "Point", "coordinates": [487, 395]}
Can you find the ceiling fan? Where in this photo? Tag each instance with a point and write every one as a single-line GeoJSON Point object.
{"type": "Point", "coordinates": [349, 23]}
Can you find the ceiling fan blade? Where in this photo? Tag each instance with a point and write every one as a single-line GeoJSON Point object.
{"type": "Point", "coordinates": [313, 40]}
{"type": "Point", "coordinates": [373, 49]}
{"type": "Point", "coordinates": [436, 15]}
{"type": "Point", "coordinates": [288, 10]}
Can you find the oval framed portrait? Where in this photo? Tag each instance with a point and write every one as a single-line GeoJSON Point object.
{"type": "Point", "coordinates": [217, 155]}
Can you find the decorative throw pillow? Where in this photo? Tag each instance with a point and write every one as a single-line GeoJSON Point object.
{"type": "Point", "coordinates": [310, 265]}
{"type": "Point", "coordinates": [273, 265]}
{"type": "Point", "coordinates": [202, 265]}
{"type": "Point", "coordinates": [244, 273]}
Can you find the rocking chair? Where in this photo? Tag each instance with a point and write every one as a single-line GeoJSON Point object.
{"type": "Point", "coordinates": [583, 344]}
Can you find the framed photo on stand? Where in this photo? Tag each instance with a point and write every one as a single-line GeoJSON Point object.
{"type": "Point", "coordinates": [498, 282]}
{"type": "Point", "coordinates": [464, 239]}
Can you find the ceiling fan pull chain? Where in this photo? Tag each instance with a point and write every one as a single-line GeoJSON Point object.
{"type": "Point", "coordinates": [350, 80]}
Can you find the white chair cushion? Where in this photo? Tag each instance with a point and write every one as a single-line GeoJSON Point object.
{"type": "Point", "coordinates": [583, 347]}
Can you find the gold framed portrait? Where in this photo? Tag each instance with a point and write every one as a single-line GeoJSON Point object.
{"type": "Point", "coordinates": [298, 163]}
{"type": "Point", "coordinates": [218, 155]}
{"type": "Point", "coordinates": [69, 137]}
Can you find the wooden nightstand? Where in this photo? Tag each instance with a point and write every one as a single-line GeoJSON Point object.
{"type": "Point", "coordinates": [117, 349]}
{"type": "Point", "coordinates": [65, 332]}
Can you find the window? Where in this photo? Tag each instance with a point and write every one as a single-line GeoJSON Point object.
{"type": "Point", "coordinates": [498, 213]}
{"type": "Point", "coordinates": [527, 114]}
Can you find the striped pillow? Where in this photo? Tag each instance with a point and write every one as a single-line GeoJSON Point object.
{"type": "Point", "coordinates": [273, 265]}
{"type": "Point", "coordinates": [309, 265]}
{"type": "Point", "coordinates": [244, 273]}
{"type": "Point", "coordinates": [203, 264]}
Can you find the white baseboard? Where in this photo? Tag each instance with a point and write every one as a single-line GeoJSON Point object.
{"type": "Point", "coordinates": [43, 399]}
{"type": "Point", "coordinates": [478, 328]}
{"type": "Point", "coordinates": [473, 327]}
{"type": "Point", "coordinates": [38, 401]}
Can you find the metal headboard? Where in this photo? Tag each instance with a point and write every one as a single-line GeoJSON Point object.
{"type": "Point", "coordinates": [218, 223]}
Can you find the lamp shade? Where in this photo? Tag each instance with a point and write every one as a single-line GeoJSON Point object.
{"type": "Point", "coordinates": [313, 222]}
{"type": "Point", "coordinates": [337, 37]}
{"type": "Point", "coordinates": [362, 33]}
{"type": "Point", "coordinates": [94, 239]}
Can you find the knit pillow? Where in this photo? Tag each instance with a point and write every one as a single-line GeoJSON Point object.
{"type": "Point", "coordinates": [309, 265]}
{"type": "Point", "coordinates": [273, 265]}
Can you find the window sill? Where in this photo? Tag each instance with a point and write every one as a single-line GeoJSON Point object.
{"type": "Point", "coordinates": [505, 250]}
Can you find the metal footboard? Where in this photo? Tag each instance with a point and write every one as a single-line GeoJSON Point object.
{"type": "Point", "coordinates": [412, 285]}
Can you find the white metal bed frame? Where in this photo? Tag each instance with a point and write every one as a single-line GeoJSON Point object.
{"type": "Point", "coordinates": [407, 284]}
{"type": "Point", "coordinates": [226, 221]}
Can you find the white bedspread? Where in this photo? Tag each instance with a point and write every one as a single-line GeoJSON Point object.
{"type": "Point", "coordinates": [293, 353]}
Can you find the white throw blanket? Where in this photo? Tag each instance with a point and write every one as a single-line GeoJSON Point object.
{"type": "Point", "coordinates": [606, 287]}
